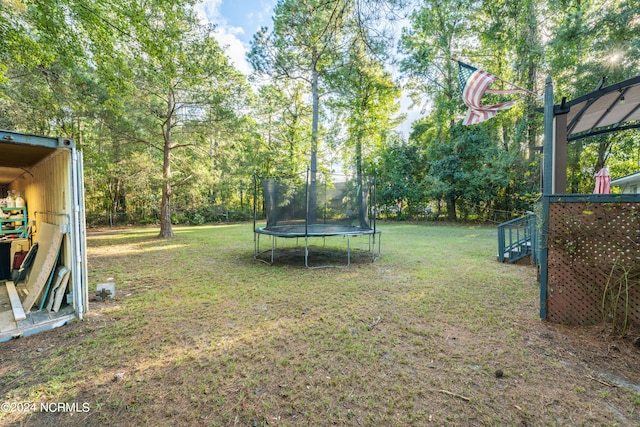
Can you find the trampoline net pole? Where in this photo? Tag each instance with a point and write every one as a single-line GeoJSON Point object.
{"type": "Point", "coordinates": [306, 217]}
{"type": "Point", "coordinates": [324, 205]}
{"type": "Point", "coordinates": [255, 197]}
{"type": "Point", "coordinates": [256, 244]}
{"type": "Point", "coordinates": [375, 207]}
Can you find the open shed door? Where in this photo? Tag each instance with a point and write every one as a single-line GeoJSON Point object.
{"type": "Point", "coordinates": [80, 292]}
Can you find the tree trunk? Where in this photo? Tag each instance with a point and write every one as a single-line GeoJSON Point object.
{"type": "Point", "coordinates": [532, 77]}
{"type": "Point", "coordinates": [166, 230]}
{"type": "Point", "coordinates": [451, 209]}
{"type": "Point", "coordinates": [604, 146]}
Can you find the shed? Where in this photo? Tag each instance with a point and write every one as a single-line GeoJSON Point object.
{"type": "Point", "coordinates": [629, 184]}
{"type": "Point", "coordinates": [43, 263]}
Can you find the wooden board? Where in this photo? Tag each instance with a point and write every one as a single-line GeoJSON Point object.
{"type": "Point", "coordinates": [62, 274]}
{"type": "Point", "coordinates": [49, 240]}
{"type": "Point", "coordinates": [7, 321]}
{"type": "Point", "coordinates": [16, 305]}
{"type": "Point", "coordinates": [43, 298]}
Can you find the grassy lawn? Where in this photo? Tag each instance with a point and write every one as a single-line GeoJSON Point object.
{"type": "Point", "coordinates": [201, 334]}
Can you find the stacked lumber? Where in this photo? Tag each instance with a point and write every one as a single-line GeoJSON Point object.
{"type": "Point", "coordinates": [41, 281]}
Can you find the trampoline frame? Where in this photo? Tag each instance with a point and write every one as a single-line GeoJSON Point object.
{"type": "Point", "coordinates": [316, 230]}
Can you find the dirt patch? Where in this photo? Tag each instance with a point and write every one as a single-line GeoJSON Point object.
{"type": "Point", "coordinates": [318, 257]}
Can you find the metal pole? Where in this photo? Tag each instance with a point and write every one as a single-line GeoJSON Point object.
{"type": "Point", "coordinates": [306, 218]}
{"type": "Point", "coordinates": [375, 205]}
{"type": "Point", "coordinates": [273, 247]}
{"type": "Point", "coordinates": [255, 197]}
{"type": "Point", "coordinates": [547, 191]}
{"type": "Point", "coordinates": [547, 178]}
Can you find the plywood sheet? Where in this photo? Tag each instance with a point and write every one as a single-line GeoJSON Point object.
{"type": "Point", "coordinates": [49, 241]}
{"type": "Point", "coordinates": [62, 275]}
{"type": "Point", "coordinates": [60, 293]}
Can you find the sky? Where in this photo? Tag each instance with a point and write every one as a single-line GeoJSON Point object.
{"type": "Point", "coordinates": [238, 20]}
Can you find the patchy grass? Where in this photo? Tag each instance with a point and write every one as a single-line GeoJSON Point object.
{"type": "Point", "coordinates": [435, 332]}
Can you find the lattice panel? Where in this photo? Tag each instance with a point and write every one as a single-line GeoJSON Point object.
{"type": "Point", "coordinates": [594, 254]}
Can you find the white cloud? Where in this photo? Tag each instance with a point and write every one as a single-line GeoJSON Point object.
{"type": "Point", "coordinates": [225, 34]}
{"type": "Point", "coordinates": [234, 48]}
{"type": "Point", "coordinates": [208, 10]}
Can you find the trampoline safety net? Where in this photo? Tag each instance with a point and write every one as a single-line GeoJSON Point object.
{"type": "Point", "coordinates": [333, 205]}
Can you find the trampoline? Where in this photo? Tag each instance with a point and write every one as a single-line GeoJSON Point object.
{"type": "Point", "coordinates": [336, 206]}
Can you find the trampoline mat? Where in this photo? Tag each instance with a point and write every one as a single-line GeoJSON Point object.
{"type": "Point", "coordinates": [317, 230]}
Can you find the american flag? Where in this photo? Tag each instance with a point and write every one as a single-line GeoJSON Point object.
{"type": "Point", "coordinates": [474, 84]}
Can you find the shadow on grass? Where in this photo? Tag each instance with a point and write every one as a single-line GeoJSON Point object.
{"type": "Point", "coordinates": [318, 257]}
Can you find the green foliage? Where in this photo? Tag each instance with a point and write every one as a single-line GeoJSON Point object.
{"type": "Point", "coordinates": [284, 125]}
{"type": "Point", "coordinates": [401, 168]}
{"type": "Point", "coordinates": [469, 172]}
{"type": "Point", "coordinates": [367, 98]}
{"type": "Point", "coordinates": [144, 89]}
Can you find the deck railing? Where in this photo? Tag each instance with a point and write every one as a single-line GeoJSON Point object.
{"type": "Point", "coordinates": [518, 238]}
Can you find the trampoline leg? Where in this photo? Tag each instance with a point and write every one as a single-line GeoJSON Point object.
{"type": "Point", "coordinates": [372, 246]}
{"type": "Point", "coordinates": [348, 250]}
{"type": "Point", "coordinates": [306, 251]}
{"type": "Point", "coordinates": [273, 247]}
{"type": "Point", "coordinates": [256, 245]}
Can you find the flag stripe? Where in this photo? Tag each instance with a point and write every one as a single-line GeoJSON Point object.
{"type": "Point", "coordinates": [475, 88]}
{"type": "Point", "coordinates": [474, 84]}
{"type": "Point", "coordinates": [503, 91]}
